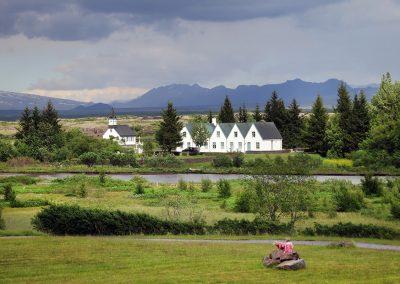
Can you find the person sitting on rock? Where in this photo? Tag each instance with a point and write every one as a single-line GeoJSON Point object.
{"type": "Point", "coordinates": [285, 246]}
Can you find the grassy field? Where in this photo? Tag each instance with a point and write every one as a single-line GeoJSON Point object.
{"type": "Point", "coordinates": [122, 259]}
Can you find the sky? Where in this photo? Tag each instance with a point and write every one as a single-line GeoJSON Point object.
{"type": "Point", "coordinates": [106, 50]}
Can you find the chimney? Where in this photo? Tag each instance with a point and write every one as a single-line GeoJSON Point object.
{"type": "Point", "coordinates": [214, 121]}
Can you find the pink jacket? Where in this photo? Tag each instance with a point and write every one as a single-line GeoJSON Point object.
{"type": "Point", "coordinates": [287, 247]}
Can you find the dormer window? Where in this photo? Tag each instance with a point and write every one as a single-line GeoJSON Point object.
{"type": "Point", "coordinates": [253, 134]}
{"type": "Point", "coordinates": [218, 134]}
{"type": "Point", "coordinates": [235, 134]}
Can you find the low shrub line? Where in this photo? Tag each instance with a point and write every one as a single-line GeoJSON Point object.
{"type": "Point", "coordinates": [75, 220]}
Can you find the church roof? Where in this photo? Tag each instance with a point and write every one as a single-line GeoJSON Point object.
{"type": "Point", "coordinates": [124, 130]}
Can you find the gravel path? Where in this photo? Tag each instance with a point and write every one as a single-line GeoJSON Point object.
{"type": "Point", "coordinates": [306, 243]}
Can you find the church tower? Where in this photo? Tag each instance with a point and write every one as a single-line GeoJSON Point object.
{"type": "Point", "coordinates": [112, 119]}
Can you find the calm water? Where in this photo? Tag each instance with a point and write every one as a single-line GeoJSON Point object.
{"type": "Point", "coordinates": [174, 178]}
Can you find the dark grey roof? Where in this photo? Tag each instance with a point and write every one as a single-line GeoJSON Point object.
{"type": "Point", "coordinates": [226, 128]}
{"type": "Point", "coordinates": [244, 127]}
{"type": "Point", "coordinates": [268, 130]}
{"type": "Point", "coordinates": [124, 130]}
{"type": "Point", "coordinates": [210, 127]}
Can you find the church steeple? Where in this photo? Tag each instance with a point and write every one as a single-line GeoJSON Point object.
{"type": "Point", "coordinates": [112, 118]}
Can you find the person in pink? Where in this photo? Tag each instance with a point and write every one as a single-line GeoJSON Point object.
{"type": "Point", "coordinates": [286, 246]}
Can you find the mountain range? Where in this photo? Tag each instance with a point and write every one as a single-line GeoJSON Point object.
{"type": "Point", "coordinates": [186, 98]}
{"type": "Point", "coordinates": [183, 95]}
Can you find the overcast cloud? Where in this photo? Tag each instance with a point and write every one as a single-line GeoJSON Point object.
{"type": "Point", "coordinates": [98, 50]}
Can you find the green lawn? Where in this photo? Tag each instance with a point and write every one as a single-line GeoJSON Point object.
{"type": "Point", "coordinates": [122, 259]}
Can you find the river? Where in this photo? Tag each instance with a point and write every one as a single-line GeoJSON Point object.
{"type": "Point", "coordinates": [191, 177]}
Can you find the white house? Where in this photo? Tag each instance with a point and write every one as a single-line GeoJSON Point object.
{"type": "Point", "coordinates": [235, 137]}
{"type": "Point", "coordinates": [123, 134]}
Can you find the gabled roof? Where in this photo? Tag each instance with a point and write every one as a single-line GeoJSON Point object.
{"type": "Point", "coordinates": [226, 128]}
{"type": "Point", "coordinates": [210, 127]}
{"type": "Point", "coordinates": [268, 130]}
{"type": "Point", "coordinates": [244, 127]}
{"type": "Point", "coordinates": [124, 130]}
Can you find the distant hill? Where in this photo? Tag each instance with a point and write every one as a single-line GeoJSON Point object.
{"type": "Point", "coordinates": [18, 101]}
{"type": "Point", "coordinates": [183, 95]}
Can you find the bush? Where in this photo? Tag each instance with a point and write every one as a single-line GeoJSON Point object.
{"type": "Point", "coordinates": [182, 185]}
{"type": "Point", "coordinates": [74, 220]}
{"type": "Point", "coordinates": [224, 188]}
{"type": "Point", "coordinates": [25, 180]}
{"type": "Point", "coordinates": [82, 191]}
{"type": "Point", "coordinates": [371, 185]}
{"type": "Point", "coordinates": [246, 227]}
{"type": "Point", "coordinates": [206, 185]}
{"type": "Point", "coordinates": [122, 159]}
{"type": "Point", "coordinates": [243, 202]}
{"type": "Point", "coordinates": [89, 158]}
{"type": "Point", "coordinates": [348, 198]}
{"type": "Point", "coordinates": [7, 151]}
{"type": "Point", "coordinates": [2, 222]}
{"type": "Point", "coordinates": [21, 162]}
{"type": "Point", "coordinates": [102, 178]}
{"type": "Point", "coordinates": [139, 188]}
{"type": "Point", "coordinates": [29, 203]}
{"type": "Point", "coordinates": [9, 193]}
{"type": "Point", "coordinates": [222, 161]}
{"type": "Point", "coordinates": [353, 231]}
{"type": "Point", "coordinates": [395, 209]}
{"type": "Point", "coordinates": [238, 159]}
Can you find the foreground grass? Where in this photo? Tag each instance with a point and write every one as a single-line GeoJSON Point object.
{"type": "Point", "coordinates": [122, 259]}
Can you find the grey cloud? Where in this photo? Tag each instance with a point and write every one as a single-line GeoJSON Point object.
{"type": "Point", "coordinates": [94, 19]}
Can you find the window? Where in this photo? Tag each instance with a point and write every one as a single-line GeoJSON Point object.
{"type": "Point", "coordinates": [222, 145]}
{"type": "Point", "coordinates": [205, 144]}
{"type": "Point", "coordinates": [214, 145]}
{"type": "Point", "coordinates": [231, 146]}
{"type": "Point", "coordinates": [240, 146]}
{"type": "Point", "coordinates": [235, 134]}
{"type": "Point", "coordinates": [257, 145]}
{"type": "Point", "coordinates": [184, 134]}
{"type": "Point", "coordinates": [188, 144]}
{"type": "Point", "coordinates": [253, 134]}
{"type": "Point", "coordinates": [218, 134]}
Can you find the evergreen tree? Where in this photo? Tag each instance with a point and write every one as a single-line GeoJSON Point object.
{"type": "Point", "coordinates": [361, 119]}
{"type": "Point", "coordinates": [294, 125]}
{"type": "Point", "coordinates": [50, 127]}
{"type": "Point", "coordinates": [168, 135]}
{"type": "Point", "coordinates": [242, 114]}
{"type": "Point", "coordinates": [315, 137]}
{"type": "Point", "coordinates": [210, 116]}
{"type": "Point", "coordinates": [25, 124]}
{"type": "Point", "coordinates": [344, 110]}
{"type": "Point", "coordinates": [257, 114]}
{"type": "Point", "coordinates": [36, 119]}
{"type": "Point", "coordinates": [276, 112]}
{"type": "Point", "coordinates": [226, 113]}
{"type": "Point", "coordinates": [50, 116]}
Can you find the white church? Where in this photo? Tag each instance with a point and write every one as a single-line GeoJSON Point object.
{"type": "Point", "coordinates": [235, 137]}
{"type": "Point", "coordinates": [123, 134]}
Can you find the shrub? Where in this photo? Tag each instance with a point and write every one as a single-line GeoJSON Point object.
{"type": "Point", "coordinates": [243, 202]}
{"type": "Point", "coordinates": [21, 162]}
{"type": "Point", "coordinates": [238, 160]}
{"type": "Point", "coordinates": [353, 231]}
{"type": "Point", "coordinates": [305, 160]}
{"type": "Point", "coordinates": [224, 188]}
{"type": "Point", "coordinates": [348, 198]}
{"type": "Point", "coordinates": [9, 193]}
{"type": "Point", "coordinates": [371, 185]}
{"type": "Point", "coordinates": [29, 203]}
{"type": "Point", "coordinates": [139, 188]}
{"type": "Point", "coordinates": [395, 209]}
{"type": "Point", "coordinates": [74, 220]}
{"type": "Point", "coordinates": [222, 161]}
{"type": "Point", "coordinates": [7, 151]}
{"type": "Point", "coordinates": [123, 159]}
{"type": "Point", "coordinates": [82, 191]}
{"type": "Point", "coordinates": [206, 185]}
{"type": "Point", "coordinates": [25, 180]}
{"type": "Point", "coordinates": [102, 178]}
{"type": "Point", "coordinates": [182, 185]}
{"type": "Point", "coordinates": [246, 227]}
{"type": "Point", "coordinates": [89, 158]}
{"type": "Point", "coordinates": [2, 222]}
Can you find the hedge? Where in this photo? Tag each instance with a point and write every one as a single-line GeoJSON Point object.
{"type": "Point", "coordinates": [74, 220]}
{"type": "Point", "coordinates": [246, 227]}
{"type": "Point", "coordinates": [353, 230]}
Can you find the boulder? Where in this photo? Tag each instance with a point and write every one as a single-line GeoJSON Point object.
{"type": "Point", "coordinates": [292, 264]}
{"type": "Point", "coordinates": [277, 257]}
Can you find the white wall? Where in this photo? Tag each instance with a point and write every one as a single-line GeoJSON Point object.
{"type": "Point", "coordinates": [233, 143]}
{"type": "Point", "coordinates": [124, 141]}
